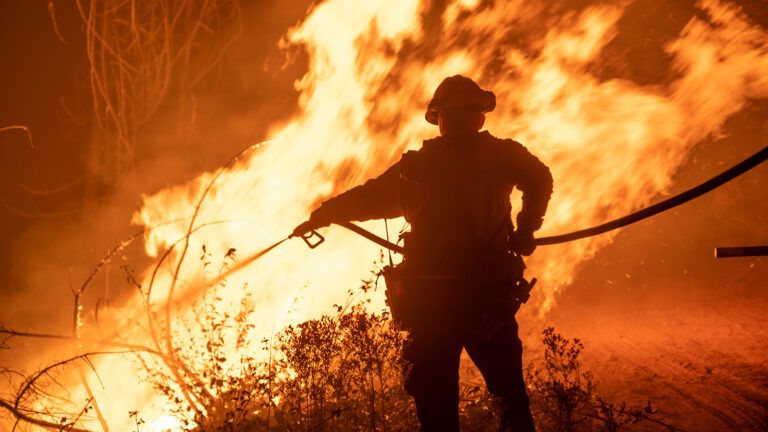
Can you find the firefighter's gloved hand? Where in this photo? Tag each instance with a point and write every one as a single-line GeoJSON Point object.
{"type": "Point", "coordinates": [303, 228]}
{"type": "Point", "coordinates": [523, 242]}
{"type": "Point", "coordinates": [318, 219]}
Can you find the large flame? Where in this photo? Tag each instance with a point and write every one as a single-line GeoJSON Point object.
{"type": "Point", "coordinates": [613, 145]}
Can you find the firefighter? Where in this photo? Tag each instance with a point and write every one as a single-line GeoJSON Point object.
{"type": "Point", "coordinates": [462, 254]}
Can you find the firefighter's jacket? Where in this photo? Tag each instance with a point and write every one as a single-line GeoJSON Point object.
{"type": "Point", "coordinates": [455, 194]}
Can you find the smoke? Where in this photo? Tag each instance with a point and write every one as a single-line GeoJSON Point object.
{"type": "Point", "coordinates": [719, 54]}
{"type": "Point", "coordinates": [343, 96]}
{"type": "Point", "coordinates": [719, 62]}
{"type": "Point", "coordinates": [251, 88]}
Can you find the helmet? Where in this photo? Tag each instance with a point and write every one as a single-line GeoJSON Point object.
{"type": "Point", "coordinates": [459, 92]}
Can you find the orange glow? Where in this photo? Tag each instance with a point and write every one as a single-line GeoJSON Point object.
{"type": "Point", "coordinates": [613, 146]}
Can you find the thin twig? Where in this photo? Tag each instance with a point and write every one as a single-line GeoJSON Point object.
{"type": "Point", "coordinates": [29, 384]}
{"type": "Point", "coordinates": [20, 416]}
{"type": "Point", "coordinates": [54, 23]}
{"type": "Point", "coordinates": [51, 191]}
{"type": "Point", "coordinates": [96, 407]}
{"type": "Point", "coordinates": [37, 214]}
{"type": "Point", "coordinates": [80, 414]}
{"type": "Point", "coordinates": [14, 333]}
{"type": "Point", "coordinates": [21, 128]}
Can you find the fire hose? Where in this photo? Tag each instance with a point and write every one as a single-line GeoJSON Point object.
{"type": "Point", "coordinates": [314, 239]}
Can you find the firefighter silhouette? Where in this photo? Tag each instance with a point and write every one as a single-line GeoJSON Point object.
{"type": "Point", "coordinates": [456, 285]}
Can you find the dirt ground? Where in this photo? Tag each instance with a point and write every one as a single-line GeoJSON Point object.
{"type": "Point", "coordinates": [702, 363]}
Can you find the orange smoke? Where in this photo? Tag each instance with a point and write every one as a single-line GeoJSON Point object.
{"type": "Point", "coordinates": [613, 145]}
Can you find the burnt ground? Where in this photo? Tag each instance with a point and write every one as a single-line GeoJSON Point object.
{"type": "Point", "coordinates": [662, 320]}
{"type": "Point", "coordinates": [703, 363]}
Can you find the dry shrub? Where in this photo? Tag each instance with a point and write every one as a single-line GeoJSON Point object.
{"type": "Point", "coordinates": [342, 372]}
{"type": "Point", "coordinates": [478, 409]}
{"type": "Point", "coordinates": [212, 380]}
{"type": "Point", "coordinates": [338, 372]}
{"type": "Point", "coordinates": [564, 398]}
{"type": "Point", "coordinates": [560, 391]}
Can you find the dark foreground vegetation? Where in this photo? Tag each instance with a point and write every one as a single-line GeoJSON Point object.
{"type": "Point", "coordinates": [339, 372]}
{"type": "Point", "coordinates": [342, 372]}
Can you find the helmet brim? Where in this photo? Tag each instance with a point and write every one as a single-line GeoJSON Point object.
{"type": "Point", "coordinates": [482, 102]}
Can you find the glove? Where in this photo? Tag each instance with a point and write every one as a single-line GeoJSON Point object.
{"type": "Point", "coordinates": [522, 242]}
{"type": "Point", "coordinates": [318, 219]}
{"type": "Point", "coordinates": [303, 228]}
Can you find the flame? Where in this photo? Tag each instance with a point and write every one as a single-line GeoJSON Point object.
{"type": "Point", "coordinates": [613, 145]}
{"type": "Point", "coordinates": [164, 423]}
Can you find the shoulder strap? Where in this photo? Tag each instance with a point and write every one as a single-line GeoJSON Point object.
{"type": "Point", "coordinates": [506, 224]}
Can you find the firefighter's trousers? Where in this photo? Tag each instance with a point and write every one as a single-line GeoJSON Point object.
{"type": "Point", "coordinates": [448, 316]}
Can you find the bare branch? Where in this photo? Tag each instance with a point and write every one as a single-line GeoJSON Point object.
{"type": "Point", "coordinates": [135, 347]}
{"type": "Point", "coordinates": [20, 416]}
{"type": "Point", "coordinates": [54, 23]}
{"type": "Point", "coordinates": [21, 128]}
{"type": "Point", "coordinates": [96, 407]}
{"type": "Point", "coordinates": [36, 214]}
{"type": "Point", "coordinates": [52, 191]}
{"type": "Point", "coordinates": [139, 55]}
{"type": "Point", "coordinates": [29, 385]}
